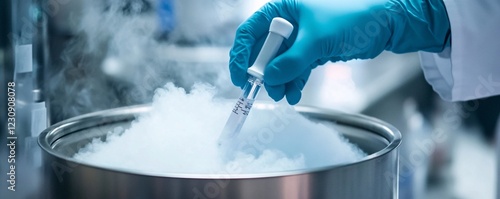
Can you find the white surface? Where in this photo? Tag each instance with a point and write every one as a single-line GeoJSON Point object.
{"type": "Point", "coordinates": [352, 86]}
{"type": "Point", "coordinates": [38, 118]}
{"type": "Point", "coordinates": [24, 58]}
{"type": "Point", "coordinates": [474, 167]}
{"type": "Point", "coordinates": [472, 171]}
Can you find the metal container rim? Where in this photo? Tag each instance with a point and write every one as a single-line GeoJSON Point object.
{"type": "Point", "coordinates": [50, 136]}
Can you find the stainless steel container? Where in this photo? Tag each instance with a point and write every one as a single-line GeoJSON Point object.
{"type": "Point", "coordinates": [374, 177]}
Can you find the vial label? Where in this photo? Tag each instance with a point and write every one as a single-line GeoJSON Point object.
{"type": "Point", "coordinates": [237, 118]}
{"type": "Point", "coordinates": [243, 106]}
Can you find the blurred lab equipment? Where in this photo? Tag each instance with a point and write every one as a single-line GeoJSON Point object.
{"type": "Point", "coordinates": [28, 110]}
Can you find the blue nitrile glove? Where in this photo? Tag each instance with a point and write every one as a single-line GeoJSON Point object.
{"type": "Point", "coordinates": [333, 30]}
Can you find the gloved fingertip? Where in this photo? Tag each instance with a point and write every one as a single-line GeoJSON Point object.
{"type": "Point", "coordinates": [238, 82]}
{"type": "Point", "coordinates": [293, 101]}
{"type": "Point", "coordinates": [239, 77]}
{"type": "Point", "coordinates": [277, 98]}
{"type": "Point", "coordinates": [294, 90]}
{"type": "Point", "coordinates": [275, 92]}
{"type": "Point", "coordinates": [293, 97]}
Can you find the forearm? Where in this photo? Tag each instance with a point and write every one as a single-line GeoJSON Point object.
{"type": "Point", "coordinates": [418, 25]}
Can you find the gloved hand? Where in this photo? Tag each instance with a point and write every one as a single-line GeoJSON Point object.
{"type": "Point", "coordinates": [334, 30]}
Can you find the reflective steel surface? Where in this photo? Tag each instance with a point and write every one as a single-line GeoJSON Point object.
{"type": "Point", "coordinates": [374, 177]}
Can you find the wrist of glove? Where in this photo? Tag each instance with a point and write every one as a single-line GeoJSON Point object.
{"type": "Point", "coordinates": [418, 25]}
{"type": "Point", "coordinates": [334, 30]}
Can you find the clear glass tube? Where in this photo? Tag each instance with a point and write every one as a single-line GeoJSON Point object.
{"type": "Point", "coordinates": [241, 109]}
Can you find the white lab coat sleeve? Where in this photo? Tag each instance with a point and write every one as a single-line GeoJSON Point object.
{"type": "Point", "coordinates": [470, 69]}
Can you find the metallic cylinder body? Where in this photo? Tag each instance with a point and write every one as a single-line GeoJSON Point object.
{"type": "Point", "coordinates": [373, 177]}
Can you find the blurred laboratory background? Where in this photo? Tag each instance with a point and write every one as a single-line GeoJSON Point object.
{"type": "Point", "coordinates": [72, 57]}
